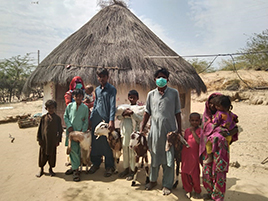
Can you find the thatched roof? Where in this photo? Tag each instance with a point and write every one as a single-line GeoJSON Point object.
{"type": "Point", "coordinates": [114, 38]}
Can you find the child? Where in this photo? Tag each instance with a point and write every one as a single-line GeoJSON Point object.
{"type": "Point", "coordinates": [49, 136]}
{"type": "Point", "coordinates": [126, 127]}
{"type": "Point", "coordinates": [89, 98]}
{"type": "Point", "coordinates": [224, 118]}
{"type": "Point", "coordinates": [190, 170]}
{"type": "Point", "coordinates": [89, 101]}
{"type": "Point", "coordinates": [103, 110]}
{"type": "Point", "coordinates": [76, 119]}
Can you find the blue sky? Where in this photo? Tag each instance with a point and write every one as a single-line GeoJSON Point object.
{"type": "Point", "coordinates": [189, 27]}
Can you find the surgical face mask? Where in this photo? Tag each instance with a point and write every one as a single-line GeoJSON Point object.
{"type": "Point", "coordinates": [78, 86]}
{"type": "Point", "coordinates": [161, 82]}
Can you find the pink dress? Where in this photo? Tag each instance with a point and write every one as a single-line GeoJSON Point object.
{"type": "Point", "coordinates": [190, 170]}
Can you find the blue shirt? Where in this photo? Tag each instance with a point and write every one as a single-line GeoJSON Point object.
{"type": "Point", "coordinates": [105, 101]}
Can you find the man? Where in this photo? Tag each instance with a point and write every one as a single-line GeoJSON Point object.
{"type": "Point", "coordinates": [163, 106]}
{"type": "Point", "coordinates": [104, 109]}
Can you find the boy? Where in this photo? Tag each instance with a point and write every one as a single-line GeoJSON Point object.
{"type": "Point", "coordinates": [190, 171]}
{"type": "Point", "coordinates": [49, 137]}
{"type": "Point", "coordinates": [163, 106]}
{"type": "Point", "coordinates": [76, 119]}
{"type": "Point", "coordinates": [126, 128]}
{"type": "Point", "coordinates": [103, 109]}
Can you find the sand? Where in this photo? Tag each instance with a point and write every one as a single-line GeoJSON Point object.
{"type": "Point", "coordinates": [19, 165]}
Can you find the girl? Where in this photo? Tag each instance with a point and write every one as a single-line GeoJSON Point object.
{"type": "Point", "coordinates": [224, 118]}
{"type": "Point", "coordinates": [190, 170]}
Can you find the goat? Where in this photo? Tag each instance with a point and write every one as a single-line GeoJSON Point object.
{"type": "Point", "coordinates": [114, 139]}
{"type": "Point", "coordinates": [176, 140]}
{"type": "Point", "coordinates": [139, 145]}
{"type": "Point", "coordinates": [137, 109]}
{"type": "Point", "coordinates": [84, 140]}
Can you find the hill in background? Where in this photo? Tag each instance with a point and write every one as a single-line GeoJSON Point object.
{"type": "Point", "coordinates": [243, 85]}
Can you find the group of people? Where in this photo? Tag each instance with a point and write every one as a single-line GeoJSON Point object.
{"type": "Point", "coordinates": [208, 145]}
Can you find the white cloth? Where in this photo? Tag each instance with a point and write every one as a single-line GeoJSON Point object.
{"type": "Point", "coordinates": [127, 126]}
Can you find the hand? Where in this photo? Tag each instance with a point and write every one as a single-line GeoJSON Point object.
{"type": "Point", "coordinates": [111, 126]}
{"type": "Point", "coordinates": [143, 133]}
{"type": "Point", "coordinates": [41, 143]}
{"type": "Point", "coordinates": [127, 112]}
{"type": "Point", "coordinates": [86, 101]}
{"type": "Point", "coordinates": [192, 129]}
{"type": "Point", "coordinates": [224, 133]}
{"type": "Point", "coordinates": [70, 129]}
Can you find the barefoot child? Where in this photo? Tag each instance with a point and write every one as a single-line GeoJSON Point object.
{"type": "Point", "coordinates": [76, 119]}
{"type": "Point", "coordinates": [190, 170]}
{"type": "Point", "coordinates": [49, 136]}
{"type": "Point", "coordinates": [126, 127]}
{"type": "Point", "coordinates": [223, 118]}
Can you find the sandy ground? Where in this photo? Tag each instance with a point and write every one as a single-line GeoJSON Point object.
{"type": "Point", "coordinates": [19, 165]}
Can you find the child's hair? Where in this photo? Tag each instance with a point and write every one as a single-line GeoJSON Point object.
{"type": "Point", "coordinates": [51, 102]}
{"type": "Point", "coordinates": [161, 70]}
{"type": "Point", "coordinates": [133, 92]}
{"type": "Point", "coordinates": [89, 87]}
{"type": "Point", "coordinates": [194, 114]}
{"type": "Point", "coordinates": [224, 101]}
{"type": "Point", "coordinates": [78, 91]}
{"type": "Point", "coordinates": [102, 71]}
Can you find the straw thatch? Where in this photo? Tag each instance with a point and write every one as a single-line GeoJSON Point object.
{"type": "Point", "coordinates": [114, 38]}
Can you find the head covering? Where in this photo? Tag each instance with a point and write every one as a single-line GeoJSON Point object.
{"type": "Point", "coordinates": [76, 79]}
{"type": "Point", "coordinates": [207, 115]}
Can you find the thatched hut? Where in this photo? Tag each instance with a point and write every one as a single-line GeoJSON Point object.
{"type": "Point", "coordinates": [117, 40]}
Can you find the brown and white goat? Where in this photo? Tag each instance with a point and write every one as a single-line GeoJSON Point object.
{"type": "Point", "coordinates": [139, 145]}
{"type": "Point", "coordinates": [84, 140]}
{"type": "Point", "coordinates": [114, 139]}
{"type": "Point", "coordinates": [176, 140]}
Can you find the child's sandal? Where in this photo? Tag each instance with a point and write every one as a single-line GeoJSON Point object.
{"type": "Point", "coordinates": [76, 176]}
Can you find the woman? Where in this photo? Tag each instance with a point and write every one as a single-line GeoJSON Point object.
{"type": "Point", "coordinates": [76, 83]}
{"type": "Point", "coordinates": [214, 173]}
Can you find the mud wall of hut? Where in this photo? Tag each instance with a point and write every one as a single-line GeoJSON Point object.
{"type": "Point", "coordinates": [56, 92]}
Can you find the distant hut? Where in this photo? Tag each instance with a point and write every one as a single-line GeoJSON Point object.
{"type": "Point", "coordinates": [117, 40]}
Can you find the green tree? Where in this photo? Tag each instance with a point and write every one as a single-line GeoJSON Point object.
{"type": "Point", "coordinates": [201, 65]}
{"type": "Point", "coordinates": [230, 65]}
{"type": "Point", "coordinates": [253, 59]}
{"type": "Point", "coordinates": [13, 74]}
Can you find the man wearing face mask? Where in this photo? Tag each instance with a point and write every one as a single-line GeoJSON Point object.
{"type": "Point", "coordinates": [163, 106]}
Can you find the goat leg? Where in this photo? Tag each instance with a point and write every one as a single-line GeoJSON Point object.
{"type": "Point", "coordinates": [116, 161]}
{"type": "Point", "coordinates": [177, 174]}
{"type": "Point", "coordinates": [68, 151]}
{"type": "Point", "coordinates": [146, 169]}
{"type": "Point", "coordinates": [142, 162]}
{"type": "Point", "coordinates": [133, 183]}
